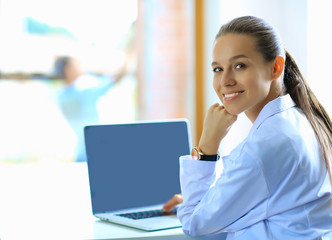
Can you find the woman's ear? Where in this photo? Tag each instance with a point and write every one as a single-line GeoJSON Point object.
{"type": "Point", "coordinates": [278, 67]}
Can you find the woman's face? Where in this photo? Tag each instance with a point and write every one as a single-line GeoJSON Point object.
{"type": "Point", "coordinates": [242, 77]}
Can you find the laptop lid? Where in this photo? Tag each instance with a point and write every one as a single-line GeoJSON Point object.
{"type": "Point", "coordinates": [135, 164]}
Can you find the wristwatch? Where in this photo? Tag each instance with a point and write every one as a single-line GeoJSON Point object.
{"type": "Point", "coordinates": [197, 154]}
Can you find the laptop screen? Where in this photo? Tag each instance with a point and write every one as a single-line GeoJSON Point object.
{"type": "Point", "coordinates": [134, 165]}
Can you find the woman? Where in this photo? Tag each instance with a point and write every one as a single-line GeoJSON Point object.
{"type": "Point", "coordinates": [277, 183]}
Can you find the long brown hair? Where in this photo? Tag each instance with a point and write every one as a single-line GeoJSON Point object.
{"type": "Point", "coordinates": [270, 46]}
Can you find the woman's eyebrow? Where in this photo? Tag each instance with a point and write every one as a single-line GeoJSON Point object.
{"type": "Point", "coordinates": [231, 59]}
{"type": "Point", "coordinates": [237, 57]}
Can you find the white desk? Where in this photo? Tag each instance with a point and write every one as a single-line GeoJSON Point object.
{"type": "Point", "coordinates": [52, 201]}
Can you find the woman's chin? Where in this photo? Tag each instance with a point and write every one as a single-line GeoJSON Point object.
{"type": "Point", "coordinates": [232, 111]}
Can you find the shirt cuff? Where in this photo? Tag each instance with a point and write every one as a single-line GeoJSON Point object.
{"type": "Point", "coordinates": [196, 165]}
{"type": "Point", "coordinates": [196, 175]}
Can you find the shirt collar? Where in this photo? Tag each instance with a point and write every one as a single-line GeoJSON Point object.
{"type": "Point", "coordinates": [277, 105]}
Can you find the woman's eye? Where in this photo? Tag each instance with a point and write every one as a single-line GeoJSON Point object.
{"type": "Point", "coordinates": [217, 69]}
{"type": "Point", "coordinates": [239, 66]}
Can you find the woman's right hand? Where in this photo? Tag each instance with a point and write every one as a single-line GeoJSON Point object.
{"type": "Point", "coordinates": [217, 123]}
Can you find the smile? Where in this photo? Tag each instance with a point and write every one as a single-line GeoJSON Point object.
{"type": "Point", "coordinates": [230, 96]}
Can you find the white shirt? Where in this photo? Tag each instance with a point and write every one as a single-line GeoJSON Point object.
{"type": "Point", "coordinates": [274, 184]}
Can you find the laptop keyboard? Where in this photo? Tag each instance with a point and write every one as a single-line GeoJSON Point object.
{"type": "Point", "coordinates": [147, 214]}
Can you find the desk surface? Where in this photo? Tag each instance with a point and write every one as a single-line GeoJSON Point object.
{"type": "Point", "coordinates": [52, 201]}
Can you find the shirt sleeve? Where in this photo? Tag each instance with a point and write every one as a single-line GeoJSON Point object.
{"type": "Point", "coordinates": [94, 86]}
{"type": "Point", "coordinates": [236, 200]}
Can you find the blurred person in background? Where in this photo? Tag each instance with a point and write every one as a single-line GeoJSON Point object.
{"type": "Point", "coordinates": [79, 97]}
{"type": "Point", "coordinates": [78, 100]}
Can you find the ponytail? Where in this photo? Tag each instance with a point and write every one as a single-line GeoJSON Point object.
{"type": "Point", "coordinates": [296, 86]}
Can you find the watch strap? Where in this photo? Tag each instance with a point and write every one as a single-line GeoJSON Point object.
{"type": "Point", "coordinates": [199, 155]}
{"type": "Point", "coordinates": [209, 157]}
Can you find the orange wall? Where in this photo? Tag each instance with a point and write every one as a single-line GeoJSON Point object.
{"type": "Point", "coordinates": [165, 69]}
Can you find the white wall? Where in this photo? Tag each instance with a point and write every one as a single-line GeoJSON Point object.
{"type": "Point", "coordinates": [320, 50]}
{"type": "Point", "coordinates": [290, 20]}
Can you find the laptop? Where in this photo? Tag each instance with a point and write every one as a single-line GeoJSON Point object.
{"type": "Point", "coordinates": [134, 170]}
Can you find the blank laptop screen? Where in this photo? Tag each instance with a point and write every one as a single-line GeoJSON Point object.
{"type": "Point", "coordinates": [134, 165]}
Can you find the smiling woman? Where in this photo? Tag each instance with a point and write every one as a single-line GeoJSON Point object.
{"type": "Point", "coordinates": [276, 184]}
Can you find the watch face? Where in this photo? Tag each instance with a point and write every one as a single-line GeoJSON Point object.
{"type": "Point", "coordinates": [194, 154]}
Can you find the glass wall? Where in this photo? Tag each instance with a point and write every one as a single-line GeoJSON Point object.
{"type": "Point", "coordinates": [45, 102]}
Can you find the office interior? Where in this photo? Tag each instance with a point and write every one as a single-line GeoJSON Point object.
{"type": "Point", "coordinates": [166, 48]}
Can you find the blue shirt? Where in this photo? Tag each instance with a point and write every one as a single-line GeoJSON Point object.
{"type": "Point", "coordinates": [274, 185]}
{"type": "Point", "coordinates": [79, 105]}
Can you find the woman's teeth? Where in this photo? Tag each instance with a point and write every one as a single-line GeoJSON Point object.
{"type": "Point", "coordinates": [232, 94]}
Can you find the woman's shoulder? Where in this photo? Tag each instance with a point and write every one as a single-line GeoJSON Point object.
{"type": "Point", "coordinates": [287, 127]}
{"type": "Point", "coordinates": [279, 137]}
{"type": "Point", "coordinates": [287, 135]}
{"type": "Point", "coordinates": [272, 136]}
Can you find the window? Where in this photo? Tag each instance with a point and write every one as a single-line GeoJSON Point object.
{"type": "Point", "coordinates": [33, 34]}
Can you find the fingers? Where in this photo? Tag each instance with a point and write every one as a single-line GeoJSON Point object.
{"type": "Point", "coordinates": [217, 108]}
{"type": "Point", "coordinates": [221, 113]}
{"type": "Point", "coordinates": [217, 105]}
{"type": "Point", "coordinates": [172, 203]}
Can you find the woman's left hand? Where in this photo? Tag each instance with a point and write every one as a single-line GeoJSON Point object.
{"type": "Point", "coordinates": [172, 203]}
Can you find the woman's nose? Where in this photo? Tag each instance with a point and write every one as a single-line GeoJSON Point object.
{"type": "Point", "coordinates": [227, 79]}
